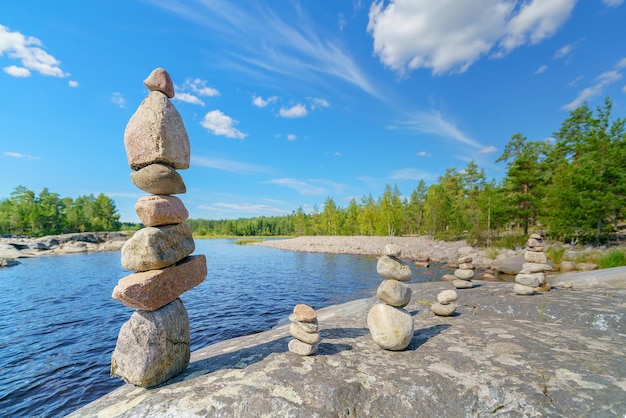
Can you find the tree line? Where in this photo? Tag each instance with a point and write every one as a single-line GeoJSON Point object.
{"type": "Point", "coordinates": [571, 187]}
{"type": "Point", "coordinates": [46, 213]}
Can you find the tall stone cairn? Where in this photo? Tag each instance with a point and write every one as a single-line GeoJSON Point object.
{"type": "Point", "coordinates": [465, 273]}
{"type": "Point", "coordinates": [304, 330]}
{"type": "Point", "coordinates": [390, 325]}
{"type": "Point", "coordinates": [532, 277]}
{"type": "Point", "coordinates": [153, 346]}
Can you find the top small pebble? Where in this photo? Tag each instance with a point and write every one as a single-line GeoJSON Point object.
{"type": "Point", "coordinates": [160, 80]}
{"type": "Point", "coordinates": [304, 313]}
{"type": "Point", "coordinates": [393, 250]}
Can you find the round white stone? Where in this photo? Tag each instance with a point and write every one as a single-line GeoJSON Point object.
{"type": "Point", "coordinates": [446, 297]}
{"type": "Point", "coordinates": [391, 328]}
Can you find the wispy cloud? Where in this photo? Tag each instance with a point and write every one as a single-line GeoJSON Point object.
{"type": "Point", "coordinates": [258, 101]}
{"type": "Point", "coordinates": [227, 165]}
{"type": "Point", "coordinates": [317, 102]}
{"type": "Point", "coordinates": [248, 207]}
{"type": "Point", "coordinates": [194, 88]}
{"type": "Point", "coordinates": [118, 99]}
{"type": "Point", "coordinates": [291, 137]}
{"type": "Point", "coordinates": [26, 49]}
{"type": "Point", "coordinates": [20, 155]}
{"type": "Point", "coordinates": [295, 111]}
{"type": "Point", "coordinates": [72, 83]}
{"type": "Point", "coordinates": [449, 36]}
{"type": "Point", "coordinates": [423, 154]}
{"type": "Point", "coordinates": [219, 124]}
{"type": "Point", "coordinates": [411, 174]}
{"type": "Point", "coordinates": [612, 3]}
{"type": "Point", "coordinates": [542, 69]}
{"type": "Point", "coordinates": [313, 187]}
{"type": "Point", "coordinates": [600, 84]}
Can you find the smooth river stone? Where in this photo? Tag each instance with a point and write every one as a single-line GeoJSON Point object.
{"type": "Point", "coordinates": [160, 80]}
{"type": "Point", "coordinates": [298, 347]}
{"type": "Point", "coordinates": [153, 346]}
{"type": "Point", "coordinates": [309, 327]}
{"type": "Point", "coordinates": [393, 269]}
{"type": "Point", "coordinates": [156, 247]}
{"type": "Point", "coordinates": [302, 335]}
{"type": "Point", "coordinates": [447, 296]}
{"type": "Point", "coordinates": [157, 210]}
{"type": "Point", "coordinates": [394, 293]}
{"type": "Point", "coordinates": [391, 328]}
{"type": "Point", "coordinates": [156, 134]}
{"type": "Point", "coordinates": [535, 257]}
{"type": "Point", "coordinates": [463, 284]}
{"type": "Point", "coordinates": [153, 289]}
{"type": "Point", "coordinates": [158, 179]}
{"type": "Point", "coordinates": [466, 266]}
{"type": "Point", "coordinates": [440, 309]}
{"type": "Point", "coordinates": [532, 280]}
{"type": "Point", "coordinates": [465, 259]}
{"type": "Point", "coordinates": [463, 274]}
{"type": "Point", "coordinates": [392, 250]}
{"type": "Point", "coordinates": [520, 289]}
{"type": "Point", "coordinates": [304, 313]}
{"type": "Point", "coordinates": [535, 268]}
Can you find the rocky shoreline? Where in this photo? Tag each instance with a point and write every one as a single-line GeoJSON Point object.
{"type": "Point", "coordinates": [15, 247]}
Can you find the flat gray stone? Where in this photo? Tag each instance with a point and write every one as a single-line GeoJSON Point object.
{"type": "Point", "coordinates": [394, 293]}
{"type": "Point", "coordinates": [156, 247]}
{"type": "Point", "coordinates": [158, 179]}
{"type": "Point", "coordinates": [391, 328]}
{"type": "Point", "coordinates": [393, 269]}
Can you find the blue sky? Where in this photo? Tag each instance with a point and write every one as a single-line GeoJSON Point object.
{"type": "Point", "coordinates": [289, 103]}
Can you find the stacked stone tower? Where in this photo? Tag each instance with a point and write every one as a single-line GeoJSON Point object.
{"type": "Point", "coordinates": [532, 277]}
{"type": "Point", "coordinates": [303, 329]}
{"type": "Point", "coordinates": [153, 346]}
{"type": "Point", "coordinates": [391, 326]}
{"type": "Point", "coordinates": [465, 273]}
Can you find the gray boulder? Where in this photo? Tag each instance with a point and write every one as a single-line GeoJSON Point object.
{"type": "Point", "coordinates": [155, 247]}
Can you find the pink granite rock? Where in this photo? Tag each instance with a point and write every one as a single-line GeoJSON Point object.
{"type": "Point", "coordinates": [160, 80]}
{"type": "Point", "coordinates": [158, 179]}
{"type": "Point", "coordinates": [156, 134]}
{"type": "Point", "coordinates": [150, 290]}
{"type": "Point", "coordinates": [304, 313]}
{"type": "Point", "coordinates": [157, 210]}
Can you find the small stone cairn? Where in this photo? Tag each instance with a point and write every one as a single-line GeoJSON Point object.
{"type": "Point", "coordinates": [532, 277]}
{"type": "Point", "coordinates": [391, 326]}
{"type": "Point", "coordinates": [303, 328]}
{"type": "Point", "coordinates": [465, 273]}
{"type": "Point", "coordinates": [446, 303]}
{"type": "Point", "coordinates": [153, 346]}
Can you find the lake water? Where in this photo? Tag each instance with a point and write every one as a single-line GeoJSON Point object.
{"type": "Point", "coordinates": [59, 324]}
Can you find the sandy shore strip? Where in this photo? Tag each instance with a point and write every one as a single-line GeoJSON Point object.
{"type": "Point", "coordinates": [421, 248]}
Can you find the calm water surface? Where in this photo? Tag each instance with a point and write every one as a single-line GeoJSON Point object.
{"type": "Point", "coordinates": [59, 324]}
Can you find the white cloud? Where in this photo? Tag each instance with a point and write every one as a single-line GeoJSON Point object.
{"type": "Point", "coordinates": [411, 174]}
{"type": "Point", "coordinates": [118, 99]}
{"type": "Point", "coordinates": [72, 83]}
{"type": "Point", "coordinates": [296, 111]}
{"type": "Point", "coordinates": [189, 98]}
{"type": "Point", "coordinates": [249, 207]}
{"type": "Point", "coordinates": [541, 69]}
{"type": "Point", "coordinates": [227, 165]}
{"type": "Point", "coordinates": [488, 149]}
{"type": "Point", "coordinates": [563, 51]}
{"type": "Point", "coordinates": [624, 89]}
{"type": "Point", "coordinates": [423, 154]}
{"type": "Point", "coordinates": [612, 3]}
{"type": "Point", "coordinates": [433, 122]}
{"type": "Point", "coordinates": [448, 35]}
{"type": "Point", "coordinates": [302, 187]}
{"type": "Point", "coordinates": [601, 82]}
{"type": "Point", "coordinates": [259, 102]}
{"type": "Point", "coordinates": [291, 137]}
{"type": "Point", "coordinates": [16, 71]}
{"type": "Point", "coordinates": [19, 155]}
{"type": "Point", "coordinates": [317, 102]}
{"type": "Point", "coordinates": [27, 51]}
{"type": "Point", "coordinates": [220, 124]}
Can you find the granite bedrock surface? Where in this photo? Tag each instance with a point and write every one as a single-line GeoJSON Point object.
{"type": "Point", "coordinates": [559, 353]}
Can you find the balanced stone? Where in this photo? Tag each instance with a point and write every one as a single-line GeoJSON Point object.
{"type": "Point", "coordinates": [465, 259]}
{"type": "Point", "coordinates": [532, 280]}
{"type": "Point", "coordinates": [153, 289]}
{"type": "Point", "coordinates": [302, 335]}
{"type": "Point", "coordinates": [298, 347]}
{"type": "Point", "coordinates": [157, 210]}
{"type": "Point", "coordinates": [533, 242]}
{"type": "Point", "coordinates": [462, 284]}
{"type": "Point", "coordinates": [153, 346]}
{"type": "Point", "coordinates": [535, 249]}
{"type": "Point", "coordinates": [520, 289]}
{"type": "Point", "coordinates": [443, 310]}
{"type": "Point", "coordinates": [446, 297]}
{"type": "Point", "coordinates": [536, 236]}
{"type": "Point", "coordinates": [394, 293]}
{"type": "Point", "coordinates": [309, 327]}
{"type": "Point", "coordinates": [392, 250]}
{"type": "Point", "coordinates": [160, 80]}
{"type": "Point", "coordinates": [393, 269]}
{"type": "Point", "coordinates": [156, 134]}
{"type": "Point", "coordinates": [535, 257]}
{"type": "Point", "coordinates": [464, 274]}
{"type": "Point", "coordinates": [304, 313]}
{"type": "Point", "coordinates": [535, 268]}
{"type": "Point", "coordinates": [156, 247]}
{"type": "Point", "coordinates": [158, 179]}
{"type": "Point", "coordinates": [466, 266]}
{"type": "Point", "coordinates": [391, 328]}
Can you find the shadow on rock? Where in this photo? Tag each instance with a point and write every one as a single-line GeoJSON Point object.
{"type": "Point", "coordinates": [420, 336]}
{"type": "Point", "coordinates": [335, 333]}
{"type": "Point", "coordinates": [330, 349]}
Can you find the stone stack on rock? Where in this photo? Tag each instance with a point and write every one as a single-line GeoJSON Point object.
{"type": "Point", "coordinates": [153, 346]}
{"type": "Point", "coordinates": [390, 325]}
{"type": "Point", "coordinates": [532, 277]}
{"type": "Point", "coordinates": [446, 303]}
{"type": "Point", "coordinates": [464, 274]}
{"type": "Point", "coordinates": [303, 329]}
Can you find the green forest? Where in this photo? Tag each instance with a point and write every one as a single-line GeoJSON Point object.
{"type": "Point", "coordinates": [571, 188]}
